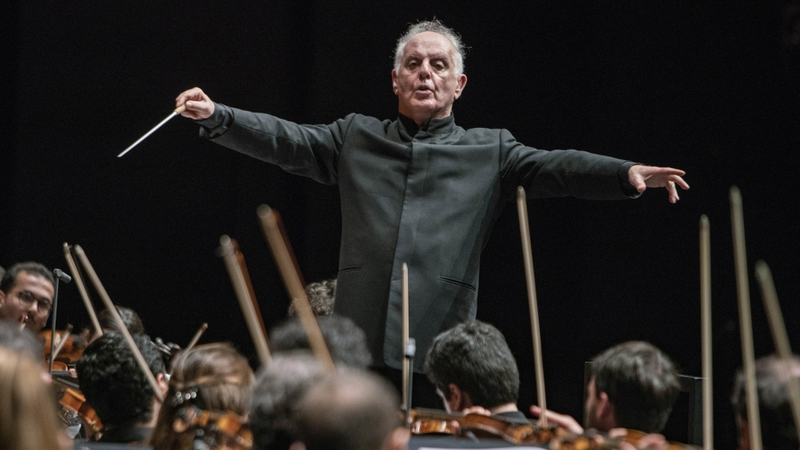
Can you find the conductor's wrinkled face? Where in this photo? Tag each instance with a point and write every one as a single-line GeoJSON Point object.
{"type": "Point", "coordinates": [427, 83]}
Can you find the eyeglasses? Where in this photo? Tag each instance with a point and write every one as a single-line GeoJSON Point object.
{"type": "Point", "coordinates": [27, 298]}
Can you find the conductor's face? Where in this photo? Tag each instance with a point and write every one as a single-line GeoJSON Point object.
{"type": "Point", "coordinates": [426, 82]}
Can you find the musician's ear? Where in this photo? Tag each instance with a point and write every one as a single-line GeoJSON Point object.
{"type": "Point", "coordinates": [163, 384]}
{"type": "Point", "coordinates": [605, 412]}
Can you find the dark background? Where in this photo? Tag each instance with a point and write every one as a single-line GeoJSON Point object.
{"type": "Point", "coordinates": [707, 86]}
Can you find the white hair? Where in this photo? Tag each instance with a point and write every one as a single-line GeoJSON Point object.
{"type": "Point", "coordinates": [437, 27]}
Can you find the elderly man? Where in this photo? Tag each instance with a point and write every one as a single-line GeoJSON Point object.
{"type": "Point", "coordinates": [418, 190]}
{"type": "Point", "coordinates": [26, 295]}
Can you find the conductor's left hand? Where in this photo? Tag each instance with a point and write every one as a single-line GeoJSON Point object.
{"type": "Point", "coordinates": [643, 177]}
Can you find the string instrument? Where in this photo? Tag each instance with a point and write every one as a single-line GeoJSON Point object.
{"type": "Point", "coordinates": [221, 431]}
{"type": "Point", "coordinates": [428, 421]}
{"type": "Point", "coordinates": [69, 347]}
{"type": "Point", "coordinates": [73, 402]}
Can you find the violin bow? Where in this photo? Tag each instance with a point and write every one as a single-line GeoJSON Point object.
{"type": "Point", "coordinates": [745, 318]}
{"type": "Point", "coordinates": [82, 289]}
{"type": "Point", "coordinates": [118, 320]}
{"type": "Point", "coordinates": [245, 295]}
{"type": "Point", "coordinates": [524, 229]}
{"type": "Point", "coordinates": [408, 352]}
{"type": "Point", "coordinates": [705, 319]}
{"type": "Point", "coordinates": [287, 265]}
{"type": "Point", "coordinates": [779, 335]}
{"type": "Point", "coordinates": [196, 336]}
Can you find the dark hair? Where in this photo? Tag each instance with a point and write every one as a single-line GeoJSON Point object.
{"type": "Point", "coordinates": [778, 430]}
{"type": "Point", "coordinates": [112, 381]}
{"type": "Point", "coordinates": [279, 387]}
{"type": "Point", "coordinates": [642, 383]}
{"type": "Point", "coordinates": [30, 267]}
{"type": "Point", "coordinates": [346, 341]}
{"type": "Point", "coordinates": [132, 321]}
{"type": "Point", "coordinates": [350, 410]}
{"type": "Point", "coordinates": [475, 357]}
{"type": "Point", "coordinates": [321, 296]}
{"type": "Point", "coordinates": [20, 341]}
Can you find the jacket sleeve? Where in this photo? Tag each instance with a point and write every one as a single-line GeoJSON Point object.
{"type": "Point", "coordinates": [307, 150]}
{"type": "Point", "coordinates": [561, 173]}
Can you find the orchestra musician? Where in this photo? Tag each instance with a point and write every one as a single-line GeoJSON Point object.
{"type": "Point", "coordinates": [207, 382]}
{"type": "Point", "coordinates": [321, 296]}
{"type": "Point", "coordinates": [632, 385]}
{"type": "Point", "coordinates": [21, 341]}
{"type": "Point", "coordinates": [279, 387]}
{"type": "Point", "coordinates": [344, 339]}
{"type": "Point", "coordinates": [418, 190]}
{"type": "Point", "coordinates": [778, 431]}
{"type": "Point", "coordinates": [472, 366]}
{"type": "Point", "coordinates": [117, 389]}
{"type": "Point", "coordinates": [28, 418]}
{"type": "Point", "coordinates": [351, 410]}
{"type": "Point", "coordinates": [26, 295]}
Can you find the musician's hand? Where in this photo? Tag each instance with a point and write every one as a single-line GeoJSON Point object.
{"type": "Point", "coordinates": [643, 177]}
{"type": "Point", "coordinates": [198, 105]}
{"type": "Point", "coordinates": [562, 420]}
{"type": "Point", "coordinates": [652, 441]}
{"type": "Point", "coordinates": [477, 410]}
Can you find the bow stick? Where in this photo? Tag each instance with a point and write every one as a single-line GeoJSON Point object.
{"type": "Point", "coordinates": [177, 111]}
{"type": "Point", "coordinates": [745, 318]}
{"type": "Point", "coordinates": [287, 265]}
{"type": "Point", "coordinates": [705, 318]}
{"type": "Point", "coordinates": [524, 230]}
{"type": "Point", "coordinates": [82, 289]}
{"type": "Point", "coordinates": [779, 335]}
{"type": "Point", "coordinates": [247, 300]}
{"type": "Point", "coordinates": [196, 337]}
{"type": "Point", "coordinates": [120, 323]}
{"type": "Point", "coordinates": [406, 363]}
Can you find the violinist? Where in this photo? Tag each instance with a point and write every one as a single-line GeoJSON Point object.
{"type": "Point", "coordinates": [117, 389]}
{"type": "Point", "coordinates": [209, 395]}
{"type": "Point", "coordinates": [279, 387]}
{"type": "Point", "coordinates": [132, 321]}
{"type": "Point", "coordinates": [26, 295]}
{"type": "Point", "coordinates": [632, 385]}
{"type": "Point", "coordinates": [778, 430]}
{"type": "Point", "coordinates": [345, 340]}
{"type": "Point", "coordinates": [473, 370]}
{"type": "Point", "coordinates": [351, 410]}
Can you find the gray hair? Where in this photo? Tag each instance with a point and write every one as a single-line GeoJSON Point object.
{"type": "Point", "coordinates": [437, 27]}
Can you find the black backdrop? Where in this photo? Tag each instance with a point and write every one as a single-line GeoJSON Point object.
{"type": "Point", "coordinates": [706, 86]}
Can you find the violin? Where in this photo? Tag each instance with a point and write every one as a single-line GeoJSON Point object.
{"type": "Point", "coordinates": [74, 402]}
{"type": "Point", "coordinates": [71, 347]}
{"type": "Point", "coordinates": [426, 421]}
{"type": "Point", "coordinates": [221, 431]}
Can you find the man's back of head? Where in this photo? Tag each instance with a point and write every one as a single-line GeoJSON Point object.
{"type": "Point", "coordinates": [351, 410]}
{"type": "Point", "coordinates": [639, 381]}
{"type": "Point", "coordinates": [278, 389]}
{"type": "Point", "coordinates": [346, 341]}
{"type": "Point", "coordinates": [113, 383]}
{"type": "Point", "coordinates": [474, 358]}
{"type": "Point", "coordinates": [778, 430]}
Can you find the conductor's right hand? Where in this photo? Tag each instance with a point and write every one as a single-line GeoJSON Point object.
{"type": "Point", "coordinates": [198, 105]}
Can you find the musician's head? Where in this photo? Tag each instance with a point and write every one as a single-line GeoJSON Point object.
{"type": "Point", "coordinates": [346, 342]}
{"type": "Point", "coordinates": [20, 341]}
{"type": "Point", "coordinates": [351, 410]}
{"type": "Point", "coordinates": [321, 296]}
{"type": "Point", "coordinates": [778, 430]}
{"type": "Point", "coordinates": [26, 295]}
{"type": "Point", "coordinates": [428, 74]}
{"type": "Point", "coordinates": [211, 378]}
{"type": "Point", "coordinates": [471, 365]}
{"type": "Point", "coordinates": [28, 418]}
{"type": "Point", "coordinates": [129, 317]}
{"type": "Point", "coordinates": [278, 389]}
{"type": "Point", "coordinates": [115, 386]}
{"type": "Point", "coordinates": [632, 385]}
